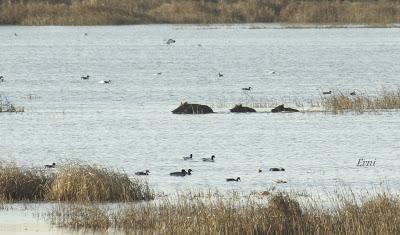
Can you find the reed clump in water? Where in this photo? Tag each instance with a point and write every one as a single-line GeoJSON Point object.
{"type": "Point", "coordinates": [339, 102]}
{"type": "Point", "coordinates": [95, 12]}
{"type": "Point", "coordinates": [85, 183]}
{"type": "Point", "coordinates": [280, 214]}
{"type": "Point", "coordinates": [22, 184]}
{"type": "Point", "coordinates": [72, 183]}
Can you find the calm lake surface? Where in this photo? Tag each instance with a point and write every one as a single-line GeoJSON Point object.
{"type": "Point", "coordinates": [128, 125]}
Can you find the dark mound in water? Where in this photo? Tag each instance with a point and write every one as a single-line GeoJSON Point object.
{"type": "Point", "coordinates": [242, 109]}
{"type": "Point", "coordinates": [186, 108]}
{"type": "Point", "coordinates": [281, 108]}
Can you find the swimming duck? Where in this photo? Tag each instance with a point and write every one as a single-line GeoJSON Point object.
{"type": "Point", "coordinates": [353, 93]}
{"type": "Point", "coordinates": [327, 92]}
{"type": "Point", "coordinates": [105, 81]}
{"type": "Point", "coordinates": [233, 179]}
{"type": "Point", "coordinates": [85, 77]}
{"type": "Point", "coordinates": [170, 41]}
{"type": "Point", "coordinates": [142, 172]}
{"type": "Point", "coordinates": [247, 88]}
{"type": "Point", "coordinates": [220, 75]}
{"type": "Point", "coordinates": [277, 169]}
{"type": "Point", "coordinates": [279, 181]}
{"type": "Point", "coordinates": [1, 79]}
{"type": "Point", "coordinates": [190, 157]}
{"type": "Point", "coordinates": [50, 166]}
{"type": "Point", "coordinates": [209, 159]}
{"type": "Point", "coordinates": [183, 172]}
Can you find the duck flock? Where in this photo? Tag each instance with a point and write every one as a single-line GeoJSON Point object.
{"type": "Point", "coordinates": [183, 172]}
{"type": "Point", "coordinates": [188, 172]}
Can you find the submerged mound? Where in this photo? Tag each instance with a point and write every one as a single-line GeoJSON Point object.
{"type": "Point", "coordinates": [187, 108]}
{"type": "Point", "coordinates": [239, 108]}
{"type": "Point", "coordinates": [281, 108]}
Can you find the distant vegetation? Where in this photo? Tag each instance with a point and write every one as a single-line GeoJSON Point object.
{"type": "Point", "coordinates": [278, 213]}
{"type": "Point", "coordinates": [335, 101]}
{"type": "Point", "coordinates": [110, 12]}
{"type": "Point", "coordinates": [339, 102]}
{"type": "Point", "coordinates": [72, 183]}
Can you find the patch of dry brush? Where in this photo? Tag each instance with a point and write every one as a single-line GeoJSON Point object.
{"type": "Point", "coordinates": [22, 184]}
{"type": "Point", "coordinates": [105, 12]}
{"type": "Point", "coordinates": [84, 183]}
{"type": "Point", "coordinates": [340, 101]}
{"type": "Point", "coordinates": [72, 183]}
{"type": "Point", "coordinates": [279, 214]}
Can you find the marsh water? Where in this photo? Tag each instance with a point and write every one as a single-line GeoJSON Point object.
{"type": "Point", "coordinates": [128, 125]}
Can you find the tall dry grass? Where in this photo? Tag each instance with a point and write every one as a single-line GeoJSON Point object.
{"type": "Point", "coordinates": [107, 12]}
{"type": "Point", "coordinates": [22, 184]}
{"type": "Point", "coordinates": [340, 101]}
{"type": "Point", "coordinates": [71, 183]}
{"type": "Point", "coordinates": [277, 214]}
{"type": "Point", "coordinates": [85, 183]}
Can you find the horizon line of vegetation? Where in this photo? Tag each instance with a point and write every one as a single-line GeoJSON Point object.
{"type": "Point", "coordinates": [122, 12]}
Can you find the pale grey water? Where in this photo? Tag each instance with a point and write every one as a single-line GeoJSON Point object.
{"type": "Point", "coordinates": [127, 125]}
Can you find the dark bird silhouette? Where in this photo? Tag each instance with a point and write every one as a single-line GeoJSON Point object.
{"type": "Point", "coordinates": [277, 169]}
{"type": "Point", "coordinates": [85, 77]}
{"type": "Point", "coordinates": [327, 92]}
{"type": "Point", "coordinates": [353, 93]}
{"type": "Point", "coordinates": [211, 159]}
{"type": "Point", "coordinates": [146, 172]}
{"type": "Point", "coordinates": [233, 179]}
{"type": "Point", "coordinates": [183, 172]}
{"type": "Point", "coordinates": [50, 166]}
{"type": "Point", "coordinates": [190, 157]}
{"type": "Point", "coordinates": [247, 88]}
{"type": "Point", "coordinates": [170, 41]}
{"type": "Point", "coordinates": [220, 75]}
{"type": "Point", "coordinates": [106, 81]}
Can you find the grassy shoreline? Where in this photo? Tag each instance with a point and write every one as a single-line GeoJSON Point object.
{"type": "Point", "coordinates": [124, 12]}
{"type": "Point", "coordinates": [277, 213]}
{"type": "Point", "coordinates": [92, 198]}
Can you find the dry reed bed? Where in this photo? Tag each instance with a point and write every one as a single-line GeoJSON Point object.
{"type": "Point", "coordinates": [72, 183]}
{"type": "Point", "coordinates": [95, 12]}
{"type": "Point", "coordinates": [19, 184]}
{"type": "Point", "coordinates": [336, 102]}
{"type": "Point", "coordinates": [340, 101]}
{"type": "Point", "coordinates": [279, 213]}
